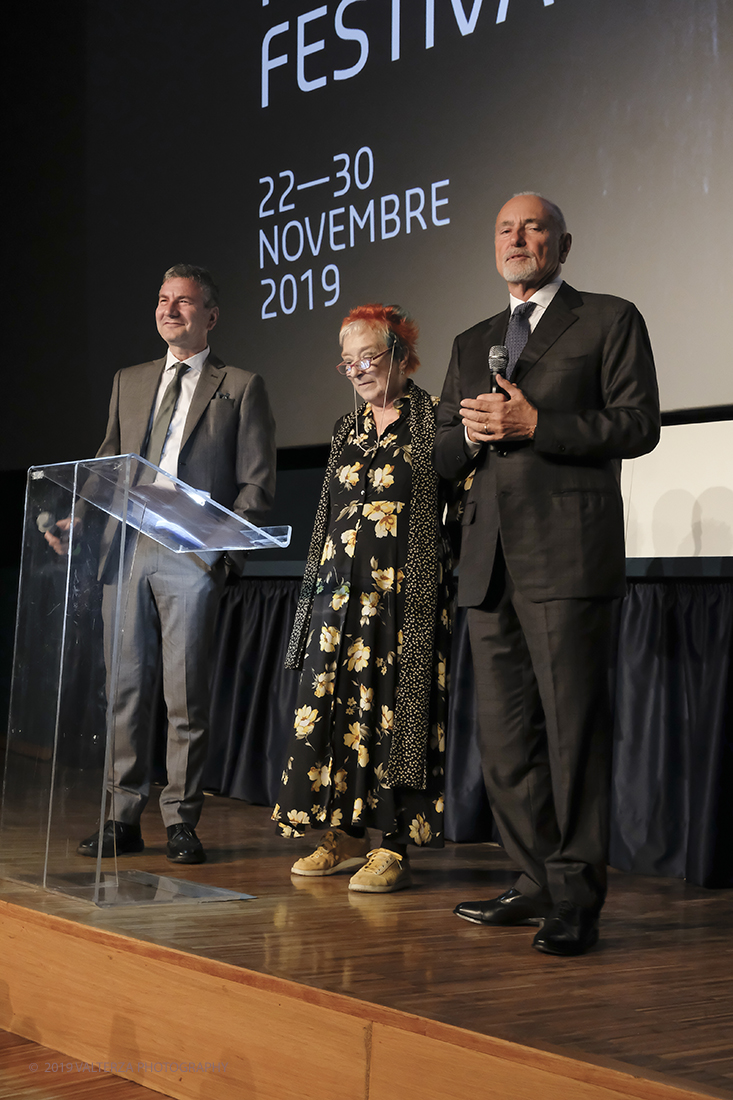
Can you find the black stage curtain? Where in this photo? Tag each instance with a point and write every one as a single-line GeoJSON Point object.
{"type": "Point", "coordinates": [673, 747]}
{"type": "Point", "coordinates": [673, 752]}
{"type": "Point", "coordinates": [253, 695]}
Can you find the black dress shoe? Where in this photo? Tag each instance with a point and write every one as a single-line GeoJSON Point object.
{"type": "Point", "coordinates": [569, 930]}
{"type": "Point", "coordinates": [126, 838]}
{"type": "Point", "coordinates": [183, 845]}
{"type": "Point", "coordinates": [509, 909]}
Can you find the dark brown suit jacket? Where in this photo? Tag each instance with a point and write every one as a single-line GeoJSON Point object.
{"type": "Point", "coordinates": [555, 500]}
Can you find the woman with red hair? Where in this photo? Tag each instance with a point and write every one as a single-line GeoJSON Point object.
{"type": "Point", "coordinates": [372, 629]}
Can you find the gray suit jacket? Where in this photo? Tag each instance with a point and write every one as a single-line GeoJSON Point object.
{"type": "Point", "coordinates": [228, 446]}
{"type": "Point", "coordinates": [555, 500]}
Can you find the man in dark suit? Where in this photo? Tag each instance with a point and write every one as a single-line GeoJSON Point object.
{"type": "Point", "coordinates": [543, 563]}
{"type": "Point", "coordinates": [211, 426]}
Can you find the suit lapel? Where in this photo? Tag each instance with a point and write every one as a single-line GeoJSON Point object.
{"type": "Point", "coordinates": [496, 331]}
{"type": "Point", "coordinates": [137, 416]}
{"type": "Point", "coordinates": [559, 316]}
{"type": "Point", "coordinates": [212, 373]}
{"type": "Point", "coordinates": [477, 381]}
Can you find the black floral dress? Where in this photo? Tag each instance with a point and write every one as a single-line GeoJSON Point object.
{"type": "Point", "coordinates": [336, 771]}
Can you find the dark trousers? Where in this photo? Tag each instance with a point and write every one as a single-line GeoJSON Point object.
{"type": "Point", "coordinates": [543, 673]}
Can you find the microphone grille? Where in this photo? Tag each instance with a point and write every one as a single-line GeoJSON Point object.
{"type": "Point", "coordinates": [498, 355]}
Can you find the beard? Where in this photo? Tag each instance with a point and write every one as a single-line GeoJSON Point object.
{"type": "Point", "coordinates": [520, 269]}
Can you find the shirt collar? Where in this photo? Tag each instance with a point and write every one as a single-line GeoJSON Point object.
{"type": "Point", "coordinates": [542, 297]}
{"type": "Point", "coordinates": [195, 362]}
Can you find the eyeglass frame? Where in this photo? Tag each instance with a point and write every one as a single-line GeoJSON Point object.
{"type": "Point", "coordinates": [364, 364]}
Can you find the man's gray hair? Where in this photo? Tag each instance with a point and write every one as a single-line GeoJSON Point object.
{"type": "Point", "coordinates": [556, 213]}
{"type": "Point", "coordinates": [199, 275]}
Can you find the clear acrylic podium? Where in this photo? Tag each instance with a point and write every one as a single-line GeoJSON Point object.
{"type": "Point", "coordinates": [60, 742]}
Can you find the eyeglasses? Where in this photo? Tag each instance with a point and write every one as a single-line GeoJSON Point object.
{"type": "Point", "coordinates": [360, 364]}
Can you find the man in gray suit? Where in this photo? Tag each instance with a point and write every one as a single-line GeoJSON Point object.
{"type": "Point", "coordinates": [543, 562]}
{"type": "Point", "coordinates": [211, 426]}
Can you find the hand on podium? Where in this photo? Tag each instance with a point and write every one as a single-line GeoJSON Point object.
{"type": "Point", "coordinates": [56, 532]}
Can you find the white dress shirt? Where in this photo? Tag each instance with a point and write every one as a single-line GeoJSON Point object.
{"type": "Point", "coordinates": [540, 299]}
{"type": "Point", "coordinates": [189, 381]}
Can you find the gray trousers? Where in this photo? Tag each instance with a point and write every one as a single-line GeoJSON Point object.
{"type": "Point", "coordinates": [169, 609]}
{"type": "Point", "coordinates": [543, 674]}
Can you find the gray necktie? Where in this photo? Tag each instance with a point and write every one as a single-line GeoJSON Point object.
{"type": "Point", "coordinates": [517, 334]}
{"type": "Point", "coordinates": [162, 423]}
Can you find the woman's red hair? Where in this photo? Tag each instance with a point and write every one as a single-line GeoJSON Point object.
{"type": "Point", "coordinates": [393, 324]}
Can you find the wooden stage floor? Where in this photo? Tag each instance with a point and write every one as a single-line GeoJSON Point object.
{"type": "Point", "coordinates": [654, 999]}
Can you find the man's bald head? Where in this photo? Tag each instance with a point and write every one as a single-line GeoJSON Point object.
{"type": "Point", "coordinates": [531, 243]}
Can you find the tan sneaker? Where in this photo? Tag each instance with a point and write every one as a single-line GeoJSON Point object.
{"type": "Point", "coordinates": [385, 871]}
{"type": "Point", "coordinates": [337, 852]}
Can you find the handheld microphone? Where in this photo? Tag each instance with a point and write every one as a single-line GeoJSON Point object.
{"type": "Point", "coordinates": [45, 522]}
{"type": "Point", "coordinates": [498, 363]}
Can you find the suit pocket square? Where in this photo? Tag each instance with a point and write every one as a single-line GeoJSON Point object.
{"type": "Point", "coordinates": [224, 396]}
